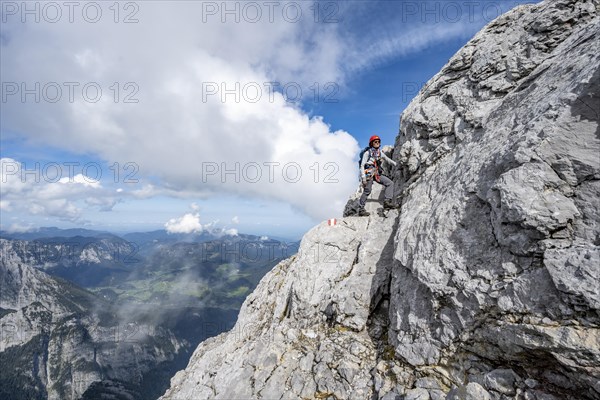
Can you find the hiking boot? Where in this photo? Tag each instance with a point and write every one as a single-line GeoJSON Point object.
{"type": "Point", "coordinates": [388, 205]}
{"type": "Point", "coordinates": [363, 213]}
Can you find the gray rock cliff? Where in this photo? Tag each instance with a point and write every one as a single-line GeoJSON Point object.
{"type": "Point", "coordinates": [486, 283]}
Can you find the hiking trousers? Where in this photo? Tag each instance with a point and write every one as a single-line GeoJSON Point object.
{"type": "Point", "coordinates": [383, 180]}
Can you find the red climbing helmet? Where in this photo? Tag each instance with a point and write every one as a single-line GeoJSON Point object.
{"type": "Point", "coordinates": [372, 138]}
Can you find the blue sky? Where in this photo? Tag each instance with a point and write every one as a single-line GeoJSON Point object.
{"type": "Point", "coordinates": [178, 92]}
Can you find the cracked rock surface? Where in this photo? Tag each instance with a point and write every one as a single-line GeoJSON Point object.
{"type": "Point", "coordinates": [486, 283]}
{"type": "Point", "coordinates": [304, 332]}
{"type": "Point", "coordinates": [498, 239]}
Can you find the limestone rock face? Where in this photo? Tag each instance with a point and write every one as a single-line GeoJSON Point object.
{"type": "Point", "coordinates": [498, 239]}
{"type": "Point", "coordinates": [485, 284]}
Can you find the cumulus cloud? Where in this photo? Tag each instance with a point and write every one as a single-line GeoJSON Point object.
{"type": "Point", "coordinates": [81, 180]}
{"type": "Point", "coordinates": [189, 223]}
{"type": "Point", "coordinates": [231, 232]}
{"type": "Point", "coordinates": [235, 220]}
{"type": "Point", "coordinates": [20, 228]}
{"type": "Point", "coordinates": [176, 131]}
{"type": "Point", "coordinates": [39, 194]}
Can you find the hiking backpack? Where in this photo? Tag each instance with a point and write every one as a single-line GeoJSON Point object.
{"type": "Point", "coordinates": [360, 156]}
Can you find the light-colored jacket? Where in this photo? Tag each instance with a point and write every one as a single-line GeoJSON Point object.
{"type": "Point", "coordinates": [367, 159]}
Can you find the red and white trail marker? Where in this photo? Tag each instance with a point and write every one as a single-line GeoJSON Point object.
{"type": "Point", "coordinates": [332, 222]}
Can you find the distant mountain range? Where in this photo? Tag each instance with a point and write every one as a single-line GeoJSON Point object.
{"type": "Point", "coordinates": [160, 235]}
{"type": "Point", "coordinates": [82, 286]}
{"type": "Point", "coordinates": [58, 339]}
{"type": "Point", "coordinates": [99, 259]}
{"type": "Point", "coordinates": [49, 232]}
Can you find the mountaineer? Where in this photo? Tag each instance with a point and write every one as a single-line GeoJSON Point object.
{"type": "Point", "coordinates": [370, 170]}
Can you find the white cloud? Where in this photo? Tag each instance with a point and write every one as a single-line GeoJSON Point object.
{"type": "Point", "coordinates": [103, 203]}
{"type": "Point", "coordinates": [5, 205]}
{"type": "Point", "coordinates": [231, 232]}
{"type": "Point", "coordinates": [61, 208]}
{"type": "Point", "coordinates": [37, 193]}
{"type": "Point", "coordinates": [212, 227]}
{"type": "Point", "coordinates": [81, 180]}
{"type": "Point", "coordinates": [20, 228]}
{"type": "Point", "coordinates": [175, 133]}
{"type": "Point", "coordinates": [235, 220]}
{"type": "Point", "coordinates": [189, 223]}
{"type": "Point", "coordinates": [146, 191]}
